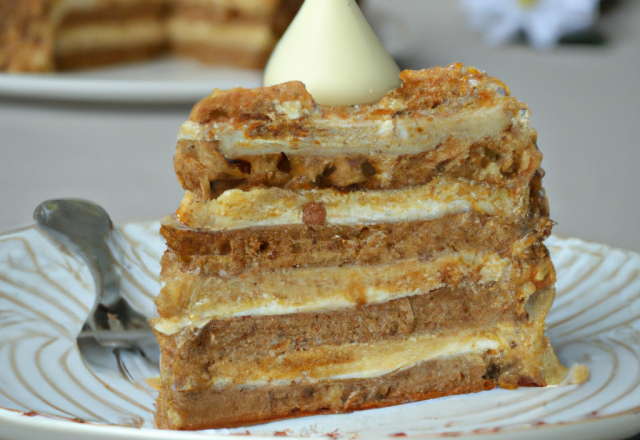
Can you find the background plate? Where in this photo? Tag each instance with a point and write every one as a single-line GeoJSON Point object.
{"type": "Point", "coordinates": [166, 80]}
{"type": "Point", "coordinates": [49, 386]}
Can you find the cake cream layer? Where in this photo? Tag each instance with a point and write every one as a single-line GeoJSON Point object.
{"type": "Point", "coordinates": [279, 352]}
{"type": "Point", "coordinates": [334, 134]}
{"type": "Point", "coordinates": [236, 406]}
{"type": "Point", "coordinates": [192, 300]}
{"type": "Point", "coordinates": [62, 8]}
{"type": "Point", "coordinates": [229, 36]}
{"type": "Point", "coordinates": [506, 159]}
{"type": "Point", "coordinates": [354, 361]}
{"type": "Point", "coordinates": [275, 206]}
{"type": "Point", "coordinates": [110, 36]}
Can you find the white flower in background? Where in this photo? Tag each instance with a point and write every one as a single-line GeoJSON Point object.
{"type": "Point", "coordinates": [543, 21]}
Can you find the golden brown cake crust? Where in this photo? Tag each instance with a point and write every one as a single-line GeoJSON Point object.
{"type": "Point", "coordinates": [420, 90]}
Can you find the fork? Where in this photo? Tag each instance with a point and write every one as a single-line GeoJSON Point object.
{"type": "Point", "coordinates": [85, 228]}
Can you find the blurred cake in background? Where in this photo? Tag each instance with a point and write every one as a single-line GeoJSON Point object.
{"type": "Point", "coordinates": [239, 33]}
{"type": "Point", "coordinates": [49, 35]}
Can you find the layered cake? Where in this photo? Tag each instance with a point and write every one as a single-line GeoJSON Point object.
{"type": "Point", "coordinates": [46, 35]}
{"type": "Point", "coordinates": [328, 259]}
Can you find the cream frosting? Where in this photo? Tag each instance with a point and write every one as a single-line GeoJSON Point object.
{"type": "Point", "coordinates": [88, 37]}
{"type": "Point", "coordinates": [253, 37]}
{"type": "Point", "coordinates": [274, 206]}
{"type": "Point", "coordinates": [390, 135]}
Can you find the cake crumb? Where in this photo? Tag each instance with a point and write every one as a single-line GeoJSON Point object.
{"type": "Point", "coordinates": [578, 374]}
{"type": "Point", "coordinates": [314, 214]}
{"type": "Point", "coordinates": [154, 382]}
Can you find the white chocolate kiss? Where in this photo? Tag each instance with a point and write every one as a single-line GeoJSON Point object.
{"type": "Point", "coordinates": [331, 48]}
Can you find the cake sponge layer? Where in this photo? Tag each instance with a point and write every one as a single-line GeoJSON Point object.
{"type": "Point", "coordinates": [201, 299]}
{"type": "Point", "coordinates": [234, 251]}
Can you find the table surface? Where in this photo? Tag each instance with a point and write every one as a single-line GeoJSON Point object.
{"type": "Point", "coordinates": [584, 101]}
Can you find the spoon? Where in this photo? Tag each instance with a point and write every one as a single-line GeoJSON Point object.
{"type": "Point", "coordinates": [85, 227]}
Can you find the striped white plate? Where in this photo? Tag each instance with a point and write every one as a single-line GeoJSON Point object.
{"type": "Point", "coordinates": [51, 388]}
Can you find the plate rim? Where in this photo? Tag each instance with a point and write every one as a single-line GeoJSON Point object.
{"type": "Point", "coordinates": [80, 86]}
{"type": "Point", "coordinates": [64, 425]}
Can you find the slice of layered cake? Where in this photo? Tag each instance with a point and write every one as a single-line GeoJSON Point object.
{"type": "Point", "coordinates": [47, 35]}
{"type": "Point", "coordinates": [84, 34]}
{"type": "Point", "coordinates": [330, 259]}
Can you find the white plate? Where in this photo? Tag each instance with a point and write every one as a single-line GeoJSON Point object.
{"type": "Point", "coordinates": [49, 390]}
{"type": "Point", "coordinates": [165, 80]}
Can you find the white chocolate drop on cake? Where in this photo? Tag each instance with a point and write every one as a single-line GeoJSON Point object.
{"type": "Point", "coordinates": [331, 48]}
